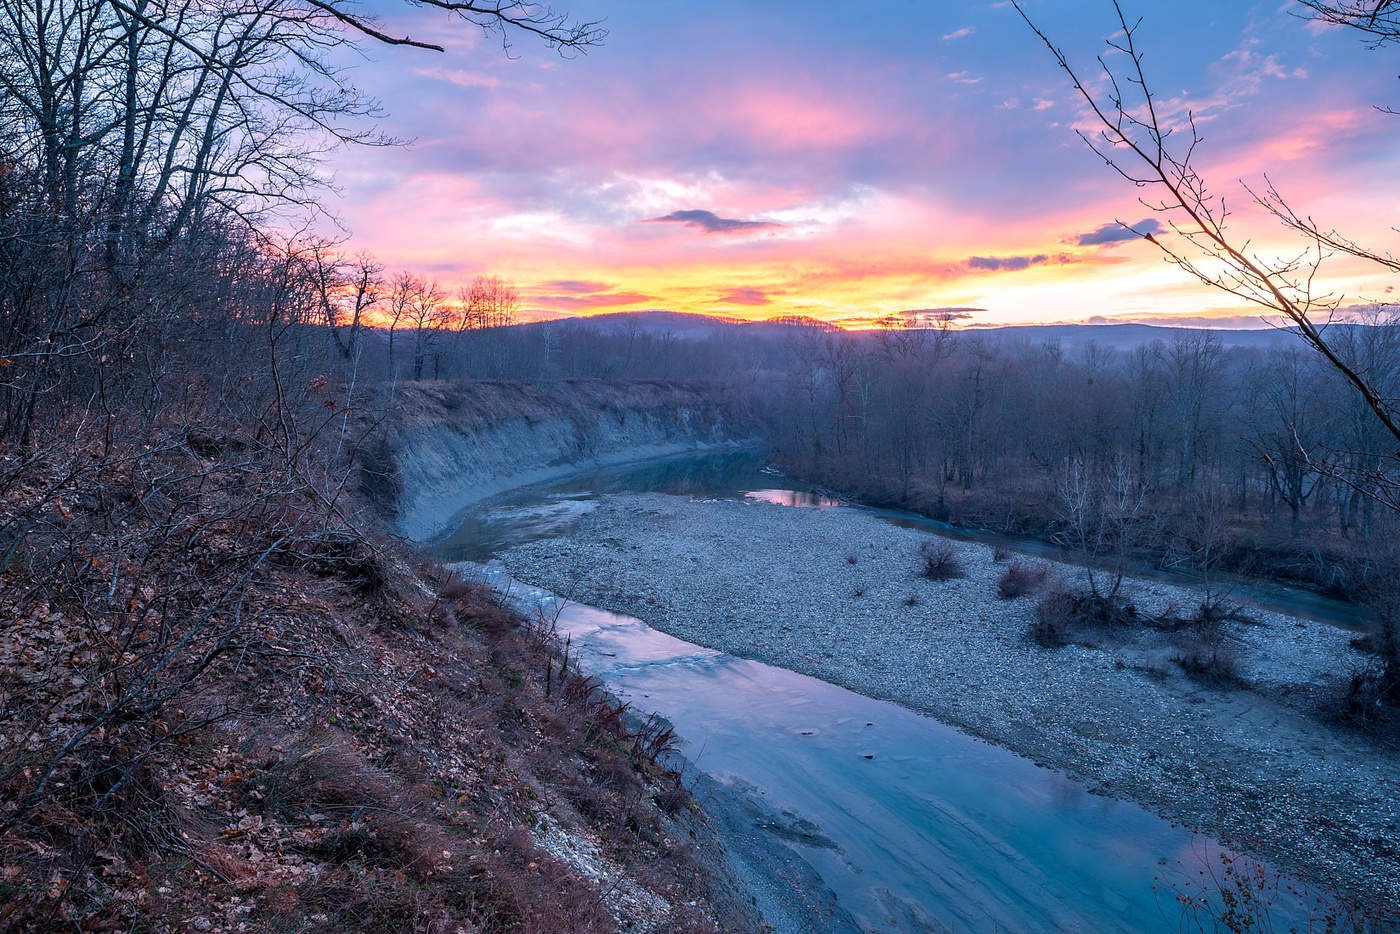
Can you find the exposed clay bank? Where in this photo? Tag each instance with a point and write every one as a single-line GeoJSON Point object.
{"type": "Point", "coordinates": [455, 444]}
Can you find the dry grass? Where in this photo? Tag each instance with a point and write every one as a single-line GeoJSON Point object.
{"type": "Point", "coordinates": [223, 705]}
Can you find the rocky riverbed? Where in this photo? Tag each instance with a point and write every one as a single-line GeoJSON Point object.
{"type": "Point", "coordinates": [835, 594]}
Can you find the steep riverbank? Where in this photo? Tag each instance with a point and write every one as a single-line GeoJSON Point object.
{"type": "Point", "coordinates": [833, 594]}
{"type": "Point", "coordinates": [240, 713]}
{"type": "Point", "coordinates": [450, 445]}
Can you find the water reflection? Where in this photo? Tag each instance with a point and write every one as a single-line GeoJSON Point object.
{"type": "Point", "coordinates": [914, 825]}
{"type": "Point", "coordinates": [798, 498]}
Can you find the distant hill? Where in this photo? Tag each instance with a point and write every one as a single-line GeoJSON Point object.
{"type": "Point", "coordinates": [1130, 336]}
{"type": "Point", "coordinates": [687, 326]}
{"type": "Point", "coordinates": [681, 324]}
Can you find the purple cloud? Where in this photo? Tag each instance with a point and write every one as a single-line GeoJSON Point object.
{"type": "Point", "coordinates": [576, 286]}
{"type": "Point", "coordinates": [1007, 263]}
{"type": "Point", "coordinates": [710, 222]}
{"type": "Point", "coordinates": [1116, 233]}
{"type": "Point", "coordinates": [1018, 263]}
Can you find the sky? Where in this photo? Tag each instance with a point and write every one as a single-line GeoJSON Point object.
{"type": "Point", "coordinates": [759, 158]}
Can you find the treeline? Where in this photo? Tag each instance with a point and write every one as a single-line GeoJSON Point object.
{"type": "Point", "coordinates": [148, 157]}
{"type": "Point", "coordinates": [1254, 460]}
{"type": "Point", "coordinates": [160, 189]}
{"type": "Point", "coordinates": [1257, 459]}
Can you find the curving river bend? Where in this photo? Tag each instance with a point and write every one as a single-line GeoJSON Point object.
{"type": "Point", "coordinates": [898, 822]}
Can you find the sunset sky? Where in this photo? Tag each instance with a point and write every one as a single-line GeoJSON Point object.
{"type": "Point", "coordinates": [848, 161]}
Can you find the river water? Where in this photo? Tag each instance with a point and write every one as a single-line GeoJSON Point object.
{"type": "Point", "coordinates": [913, 825]}
{"type": "Point", "coordinates": [553, 509]}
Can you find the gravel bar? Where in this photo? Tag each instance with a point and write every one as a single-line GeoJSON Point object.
{"type": "Point", "coordinates": [834, 593]}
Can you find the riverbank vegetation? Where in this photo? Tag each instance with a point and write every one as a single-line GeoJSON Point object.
{"type": "Point", "coordinates": [228, 699]}
{"type": "Point", "coordinates": [1185, 450]}
{"type": "Point", "coordinates": [224, 707]}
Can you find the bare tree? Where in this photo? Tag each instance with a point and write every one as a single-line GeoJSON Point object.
{"type": "Point", "coordinates": [493, 17]}
{"type": "Point", "coordinates": [1379, 20]}
{"type": "Point", "coordinates": [346, 287]}
{"type": "Point", "coordinates": [489, 302]}
{"type": "Point", "coordinates": [1155, 153]}
{"type": "Point", "coordinates": [1100, 518]}
{"type": "Point", "coordinates": [401, 297]}
{"type": "Point", "coordinates": [1190, 363]}
{"type": "Point", "coordinates": [1284, 430]}
{"type": "Point", "coordinates": [429, 316]}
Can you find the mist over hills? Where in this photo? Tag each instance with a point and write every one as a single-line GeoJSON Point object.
{"type": "Point", "coordinates": [689, 326]}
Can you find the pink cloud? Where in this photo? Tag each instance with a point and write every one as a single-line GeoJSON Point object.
{"type": "Point", "coordinates": [462, 79]}
{"type": "Point", "coordinates": [744, 296]}
{"type": "Point", "coordinates": [791, 120]}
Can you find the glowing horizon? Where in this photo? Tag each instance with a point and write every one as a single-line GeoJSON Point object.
{"type": "Point", "coordinates": [847, 165]}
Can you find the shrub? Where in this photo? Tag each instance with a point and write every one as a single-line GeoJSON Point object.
{"type": "Point", "coordinates": [939, 561]}
{"type": "Point", "coordinates": [1021, 578]}
{"type": "Point", "coordinates": [1061, 613]}
{"type": "Point", "coordinates": [1203, 649]}
{"type": "Point", "coordinates": [1373, 687]}
{"type": "Point", "coordinates": [1203, 653]}
{"type": "Point", "coordinates": [1000, 553]}
{"type": "Point", "coordinates": [1215, 609]}
{"type": "Point", "coordinates": [1222, 889]}
{"type": "Point", "coordinates": [1053, 615]}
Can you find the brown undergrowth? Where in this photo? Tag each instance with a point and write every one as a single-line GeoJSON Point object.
{"type": "Point", "coordinates": [223, 708]}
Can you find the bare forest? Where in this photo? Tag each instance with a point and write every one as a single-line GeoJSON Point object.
{"type": "Point", "coordinates": [223, 677]}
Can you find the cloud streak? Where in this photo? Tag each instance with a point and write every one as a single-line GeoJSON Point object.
{"type": "Point", "coordinates": [711, 223]}
{"type": "Point", "coordinates": [1115, 232]}
{"type": "Point", "coordinates": [1017, 263]}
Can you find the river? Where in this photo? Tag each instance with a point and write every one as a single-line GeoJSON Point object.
{"type": "Point", "coordinates": [912, 825]}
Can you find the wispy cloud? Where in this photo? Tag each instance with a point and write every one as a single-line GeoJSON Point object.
{"type": "Point", "coordinates": [964, 77]}
{"type": "Point", "coordinates": [933, 317]}
{"type": "Point", "coordinates": [463, 79]}
{"type": "Point", "coordinates": [710, 222]}
{"type": "Point", "coordinates": [576, 286]}
{"type": "Point", "coordinates": [745, 296]}
{"type": "Point", "coordinates": [962, 33]}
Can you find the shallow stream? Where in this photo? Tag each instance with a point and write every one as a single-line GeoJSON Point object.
{"type": "Point", "coordinates": [912, 825]}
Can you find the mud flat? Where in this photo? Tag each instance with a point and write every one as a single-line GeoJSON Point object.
{"type": "Point", "coordinates": [834, 593]}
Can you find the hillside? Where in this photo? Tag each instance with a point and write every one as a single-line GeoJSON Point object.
{"type": "Point", "coordinates": [229, 706]}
